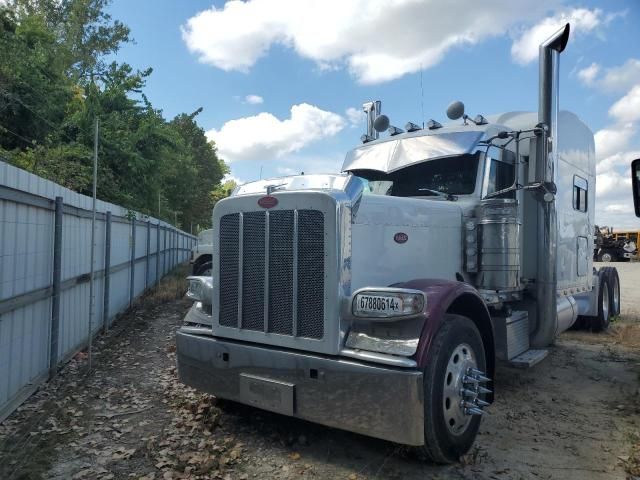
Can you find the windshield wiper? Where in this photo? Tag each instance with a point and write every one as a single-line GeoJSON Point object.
{"type": "Point", "coordinates": [440, 194]}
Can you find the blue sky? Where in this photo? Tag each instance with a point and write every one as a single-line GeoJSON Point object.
{"type": "Point", "coordinates": [282, 81]}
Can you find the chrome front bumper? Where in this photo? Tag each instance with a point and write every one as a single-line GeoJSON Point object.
{"type": "Point", "coordinates": [381, 402]}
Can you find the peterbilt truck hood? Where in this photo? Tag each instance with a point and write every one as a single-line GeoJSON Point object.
{"type": "Point", "coordinates": [399, 239]}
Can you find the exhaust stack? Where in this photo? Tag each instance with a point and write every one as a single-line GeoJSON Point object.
{"type": "Point", "coordinates": [546, 171]}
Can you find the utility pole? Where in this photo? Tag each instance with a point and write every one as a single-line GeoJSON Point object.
{"type": "Point", "coordinates": [158, 204]}
{"type": "Point", "coordinates": [93, 241]}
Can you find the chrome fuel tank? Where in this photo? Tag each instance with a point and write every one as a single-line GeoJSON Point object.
{"type": "Point", "coordinates": [499, 267]}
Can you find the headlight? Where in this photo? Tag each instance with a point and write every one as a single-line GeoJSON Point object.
{"type": "Point", "coordinates": [387, 303]}
{"type": "Point", "coordinates": [200, 289]}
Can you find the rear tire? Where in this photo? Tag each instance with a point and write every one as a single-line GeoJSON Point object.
{"type": "Point", "coordinates": [601, 322]}
{"type": "Point", "coordinates": [204, 270]}
{"type": "Point", "coordinates": [611, 273]}
{"type": "Point", "coordinates": [449, 433]}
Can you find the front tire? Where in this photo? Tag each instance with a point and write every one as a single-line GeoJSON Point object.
{"type": "Point", "coordinates": [449, 431]}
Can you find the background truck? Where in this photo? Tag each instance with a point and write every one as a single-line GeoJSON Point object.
{"type": "Point", "coordinates": [378, 300]}
{"type": "Point", "coordinates": [201, 254]}
{"type": "Point", "coordinates": [610, 247]}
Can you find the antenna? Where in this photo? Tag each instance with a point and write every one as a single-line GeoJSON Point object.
{"type": "Point", "coordinates": [421, 95]}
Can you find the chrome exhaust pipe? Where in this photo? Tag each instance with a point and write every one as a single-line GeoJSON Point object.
{"type": "Point", "coordinates": [545, 172]}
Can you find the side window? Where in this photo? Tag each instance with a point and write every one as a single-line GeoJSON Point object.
{"type": "Point", "coordinates": [580, 188]}
{"type": "Point", "coordinates": [501, 176]}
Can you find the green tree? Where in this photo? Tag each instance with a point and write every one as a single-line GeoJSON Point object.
{"type": "Point", "coordinates": [55, 83]}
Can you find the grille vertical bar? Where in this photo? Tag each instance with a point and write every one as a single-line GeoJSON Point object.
{"type": "Point", "coordinates": [253, 243]}
{"type": "Point", "coordinates": [311, 240]}
{"type": "Point", "coordinates": [267, 253]}
{"type": "Point", "coordinates": [228, 277]}
{"type": "Point", "coordinates": [281, 265]}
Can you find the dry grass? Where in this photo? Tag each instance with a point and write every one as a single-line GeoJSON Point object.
{"type": "Point", "coordinates": [171, 288]}
{"type": "Point", "coordinates": [624, 331]}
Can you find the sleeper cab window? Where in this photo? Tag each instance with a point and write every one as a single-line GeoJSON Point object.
{"type": "Point", "coordinates": [580, 188]}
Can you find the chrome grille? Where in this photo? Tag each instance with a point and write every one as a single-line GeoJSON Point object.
{"type": "Point", "coordinates": [289, 290]}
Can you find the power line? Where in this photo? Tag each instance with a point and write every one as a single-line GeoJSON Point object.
{"type": "Point", "coordinates": [31, 142]}
{"type": "Point", "coordinates": [32, 110]}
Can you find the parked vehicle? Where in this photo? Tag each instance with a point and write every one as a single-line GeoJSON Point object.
{"type": "Point", "coordinates": [378, 300]}
{"type": "Point", "coordinates": [610, 247]}
{"type": "Point", "coordinates": [201, 254]}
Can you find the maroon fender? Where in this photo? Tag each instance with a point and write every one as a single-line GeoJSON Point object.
{"type": "Point", "coordinates": [447, 296]}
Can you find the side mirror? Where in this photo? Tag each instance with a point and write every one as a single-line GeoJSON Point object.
{"type": "Point", "coordinates": [635, 184]}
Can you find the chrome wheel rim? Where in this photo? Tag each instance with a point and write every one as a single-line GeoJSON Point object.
{"type": "Point", "coordinates": [615, 301]}
{"type": "Point", "coordinates": [606, 257]}
{"type": "Point", "coordinates": [605, 304]}
{"type": "Point", "coordinates": [462, 359]}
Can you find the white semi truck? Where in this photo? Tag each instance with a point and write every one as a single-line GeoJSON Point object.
{"type": "Point", "coordinates": [378, 300]}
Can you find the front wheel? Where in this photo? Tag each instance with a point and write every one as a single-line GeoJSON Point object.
{"type": "Point", "coordinates": [454, 391]}
{"type": "Point", "coordinates": [607, 256]}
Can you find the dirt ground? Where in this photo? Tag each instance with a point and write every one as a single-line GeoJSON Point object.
{"type": "Point", "coordinates": [574, 416]}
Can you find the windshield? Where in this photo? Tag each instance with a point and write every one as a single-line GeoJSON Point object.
{"type": "Point", "coordinates": [449, 175]}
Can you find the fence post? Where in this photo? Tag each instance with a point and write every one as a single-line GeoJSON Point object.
{"type": "Point", "coordinates": [146, 279]}
{"type": "Point", "coordinates": [133, 261]}
{"type": "Point", "coordinates": [175, 247]}
{"type": "Point", "coordinates": [57, 280]}
{"type": "Point", "coordinates": [164, 252]}
{"type": "Point", "coordinates": [157, 253]}
{"type": "Point", "coordinates": [107, 273]}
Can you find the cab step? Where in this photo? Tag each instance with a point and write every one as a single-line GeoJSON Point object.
{"type": "Point", "coordinates": [529, 358]}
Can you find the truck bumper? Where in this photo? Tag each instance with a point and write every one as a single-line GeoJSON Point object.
{"type": "Point", "coordinates": [381, 402]}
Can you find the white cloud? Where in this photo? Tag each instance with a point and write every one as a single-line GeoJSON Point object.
{"type": "Point", "coordinates": [525, 49]}
{"type": "Point", "coordinates": [355, 116]}
{"type": "Point", "coordinates": [619, 208]}
{"type": "Point", "coordinates": [627, 109]}
{"type": "Point", "coordinates": [613, 139]}
{"type": "Point", "coordinates": [619, 159]}
{"type": "Point", "coordinates": [612, 184]}
{"type": "Point", "coordinates": [614, 202]}
{"type": "Point", "coordinates": [614, 79]}
{"type": "Point", "coordinates": [623, 77]}
{"type": "Point", "coordinates": [253, 99]}
{"type": "Point", "coordinates": [377, 40]}
{"type": "Point", "coordinates": [265, 137]}
{"type": "Point", "coordinates": [588, 75]}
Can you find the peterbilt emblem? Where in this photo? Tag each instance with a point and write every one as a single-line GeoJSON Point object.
{"type": "Point", "coordinates": [400, 237]}
{"type": "Point", "coordinates": [268, 202]}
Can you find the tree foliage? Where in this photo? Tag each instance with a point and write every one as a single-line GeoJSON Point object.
{"type": "Point", "coordinates": [55, 81]}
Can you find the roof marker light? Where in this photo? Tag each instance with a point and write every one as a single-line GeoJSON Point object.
{"type": "Point", "coordinates": [394, 130]}
{"type": "Point", "coordinates": [412, 127]}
